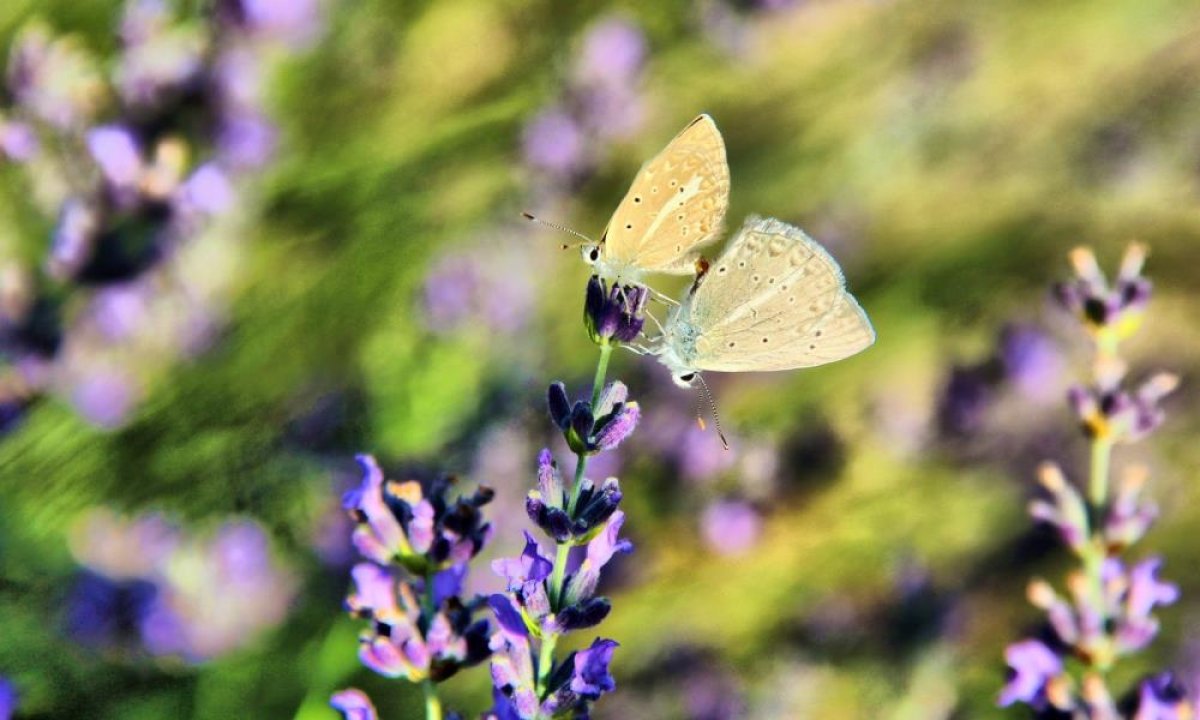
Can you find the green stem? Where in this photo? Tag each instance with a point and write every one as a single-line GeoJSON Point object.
{"type": "Point", "coordinates": [1098, 478]}
{"type": "Point", "coordinates": [555, 589]}
{"type": "Point", "coordinates": [433, 706]}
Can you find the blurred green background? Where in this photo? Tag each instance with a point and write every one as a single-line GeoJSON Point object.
{"type": "Point", "coordinates": [948, 153]}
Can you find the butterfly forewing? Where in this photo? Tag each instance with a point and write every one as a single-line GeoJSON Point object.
{"type": "Point", "coordinates": [675, 206]}
{"type": "Point", "coordinates": [774, 300]}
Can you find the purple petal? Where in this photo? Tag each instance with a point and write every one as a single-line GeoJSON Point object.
{"type": "Point", "coordinates": [116, 152]}
{"type": "Point", "coordinates": [592, 678]}
{"type": "Point", "coordinates": [507, 615]}
{"type": "Point", "coordinates": [353, 704]}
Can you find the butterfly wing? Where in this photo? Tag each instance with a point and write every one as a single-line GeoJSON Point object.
{"type": "Point", "coordinates": [774, 300]}
{"type": "Point", "coordinates": [675, 205]}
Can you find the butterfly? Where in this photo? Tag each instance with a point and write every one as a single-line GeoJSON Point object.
{"type": "Point", "coordinates": [774, 300]}
{"type": "Point", "coordinates": [675, 206]}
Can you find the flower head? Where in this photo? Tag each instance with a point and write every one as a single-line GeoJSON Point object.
{"type": "Point", "coordinates": [616, 313]}
{"type": "Point", "coordinates": [1111, 312]}
{"type": "Point", "coordinates": [399, 522]}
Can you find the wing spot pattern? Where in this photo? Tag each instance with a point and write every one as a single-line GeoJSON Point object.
{"type": "Point", "coordinates": [637, 198]}
{"type": "Point", "coordinates": [765, 340]}
{"type": "Point", "coordinates": [721, 269]}
{"type": "Point", "coordinates": [812, 347]}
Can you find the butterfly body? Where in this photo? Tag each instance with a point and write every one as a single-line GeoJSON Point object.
{"type": "Point", "coordinates": [774, 300]}
{"type": "Point", "coordinates": [674, 207]}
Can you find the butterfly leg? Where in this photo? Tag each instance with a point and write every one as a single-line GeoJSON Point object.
{"type": "Point", "coordinates": [663, 298]}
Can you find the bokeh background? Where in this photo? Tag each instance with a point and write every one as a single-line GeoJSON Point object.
{"type": "Point", "coordinates": [860, 552]}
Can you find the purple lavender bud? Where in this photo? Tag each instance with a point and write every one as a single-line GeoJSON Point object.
{"type": "Point", "coordinates": [614, 393]}
{"type": "Point", "coordinates": [507, 615]}
{"type": "Point", "coordinates": [549, 479]}
{"type": "Point", "coordinates": [374, 596]}
{"type": "Point", "coordinates": [633, 313]}
{"type": "Point", "coordinates": [616, 313]}
{"type": "Point", "coordinates": [1068, 513]}
{"type": "Point", "coordinates": [595, 507]}
{"type": "Point", "coordinates": [400, 655]}
{"type": "Point", "coordinates": [530, 567]}
{"type": "Point", "coordinates": [617, 426]}
{"type": "Point", "coordinates": [592, 678]}
{"type": "Point", "coordinates": [448, 583]}
{"type": "Point", "coordinates": [600, 550]}
{"type": "Point", "coordinates": [1146, 591]}
{"type": "Point", "coordinates": [353, 704]}
{"type": "Point", "coordinates": [1034, 665]}
{"type": "Point", "coordinates": [585, 614]}
{"type": "Point", "coordinates": [379, 537]}
{"type": "Point", "coordinates": [560, 408]}
{"type": "Point", "coordinates": [553, 521]}
{"type": "Point", "coordinates": [1162, 697]}
{"type": "Point", "coordinates": [579, 430]}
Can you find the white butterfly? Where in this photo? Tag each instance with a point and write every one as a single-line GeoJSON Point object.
{"type": "Point", "coordinates": [774, 300]}
{"type": "Point", "coordinates": [674, 207]}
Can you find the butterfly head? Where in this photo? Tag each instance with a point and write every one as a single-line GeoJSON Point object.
{"type": "Point", "coordinates": [685, 379]}
{"type": "Point", "coordinates": [590, 253]}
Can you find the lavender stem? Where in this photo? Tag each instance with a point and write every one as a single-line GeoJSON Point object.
{"type": "Point", "coordinates": [562, 554]}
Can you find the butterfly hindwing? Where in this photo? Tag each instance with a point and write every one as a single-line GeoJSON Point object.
{"type": "Point", "coordinates": [774, 300]}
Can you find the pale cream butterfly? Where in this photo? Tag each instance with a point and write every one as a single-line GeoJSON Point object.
{"type": "Point", "coordinates": [774, 300]}
{"type": "Point", "coordinates": [675, 206]}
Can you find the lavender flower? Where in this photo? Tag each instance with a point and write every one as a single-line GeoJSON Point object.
{"type": "Point", "coordinates": [418, 544]}
{"type": "Point", "coordinates": [1106, 613]}
{"type": "Point", "coordinates": [614, 314]}
{"type": "Point", "coordinates": [545, 598]}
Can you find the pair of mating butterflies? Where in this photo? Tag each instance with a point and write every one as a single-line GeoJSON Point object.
{"type": "Point", "coordinates": [774, 300]}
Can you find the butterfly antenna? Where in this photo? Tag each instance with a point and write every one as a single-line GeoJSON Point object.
{"type": "Point", "coordinates": [561, 228]}
{"type": "Point", "coordinates": [712, 406]}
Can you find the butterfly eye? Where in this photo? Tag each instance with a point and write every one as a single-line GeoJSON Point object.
{"type": "Point", "coordinates": [688, 378]}
{"type": "Point", "coordinates": [594, 254]}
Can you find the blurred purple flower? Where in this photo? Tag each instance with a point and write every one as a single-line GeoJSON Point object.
{"type": "Point", "coordinates": [8, 698]}
{"type": "Point", "coordinates": [104, 397]}
{"type": "Point", "coordinates": [730, 527]}
{"type": "Point", "coordinates": [18, 141]}
{"type": "Point", "coordinates": [1031, 362]}
{"type": "Point", "coordinates": [1034, 666]}
{"type": "Point", "coordinates": [353, 704]}
{"type": "Point", "coordinates": [555, 143]}
{"type": "Point", "coordinates": [159, 58]}
{"type": "Point", "coordinates": [1162, 697]}
{"type": "Point", "coordinates": [292, 22]}
{"type": "Point", "coordinates": [613, 52]}
{"type": "Point", "coordinates": [474, 288]}
{"type": "Point", "coordinates": [208, 191]}
{"type": "Point", "coordinates": [246, 140]}
{"type": "Point", "coordinates": [74, 239]}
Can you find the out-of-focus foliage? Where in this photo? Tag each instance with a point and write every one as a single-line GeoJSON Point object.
{"type": "Point", "coordinates": [948, 153]}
